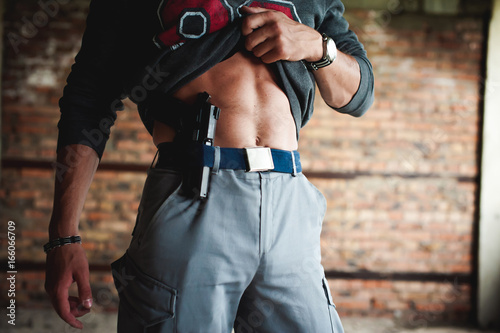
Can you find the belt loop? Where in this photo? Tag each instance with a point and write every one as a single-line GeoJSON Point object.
{"type": "Point", "coordinates": [215, 168]}
{"type": "Point", "coordinates": [294, 173]}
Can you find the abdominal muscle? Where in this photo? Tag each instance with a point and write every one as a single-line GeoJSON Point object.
{"type": "Point", "coordinates": [254, 109]}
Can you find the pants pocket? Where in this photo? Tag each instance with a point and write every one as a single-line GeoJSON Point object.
{"type": "Point", "coordinates": [334, 316]}
{"type": "Point", "coordinates": [146, 299]}
{"type": "Point", "coordinates": [319, 198]}
{"type": "Point", "coordinates": [159, 186]}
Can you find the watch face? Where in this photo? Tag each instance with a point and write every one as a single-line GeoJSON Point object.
{"type": "Point", "coordinates": [329, 55]}
{"type": "Point", "coordinates": [331, 50]}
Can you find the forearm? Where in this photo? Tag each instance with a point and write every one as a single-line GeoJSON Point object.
{"type": "Point", "coordinates": [272, 36]}
{"type": "Point", "coordinates": [339, 81]}
{"type": "Point", "coordinates": [76, 167]}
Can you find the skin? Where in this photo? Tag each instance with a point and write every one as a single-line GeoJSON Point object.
{"type": "Point", "coordinates": [255, 112]}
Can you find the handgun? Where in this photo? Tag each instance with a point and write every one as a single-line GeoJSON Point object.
{"type": "Point", "coordinates": [203, 131]}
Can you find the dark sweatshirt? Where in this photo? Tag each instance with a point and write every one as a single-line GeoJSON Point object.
{"type": "Point", "coordinates": [147, 49]}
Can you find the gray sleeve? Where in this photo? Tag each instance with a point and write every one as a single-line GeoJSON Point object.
{"type": "Point", "coordinates": [335, 25]}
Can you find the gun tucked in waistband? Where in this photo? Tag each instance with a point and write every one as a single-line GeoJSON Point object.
{"type": "Point", "coordinates": [202, 130]}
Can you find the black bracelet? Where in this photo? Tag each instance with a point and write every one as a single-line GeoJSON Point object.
{"type": "Point", "coordinates": [60, 242]}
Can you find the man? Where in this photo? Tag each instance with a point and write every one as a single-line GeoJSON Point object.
{"type": "Point", "coordinates": [247, 256]}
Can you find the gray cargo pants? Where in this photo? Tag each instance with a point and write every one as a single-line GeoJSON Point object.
{"type": "Point", "coordinates": [248, 257]}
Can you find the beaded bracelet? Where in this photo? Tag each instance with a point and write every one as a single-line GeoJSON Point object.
{"type": "Point", "coordinates": [58, 242]}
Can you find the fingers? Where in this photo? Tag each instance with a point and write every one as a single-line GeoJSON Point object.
{"type": "Point", "coordinates": [269, 43]}
{"type": "Point", "coordinates": [62, 306]}
{"type": "Point", "coordinates": [254, 22]}
{"type": "Point", "coordinates": [270, 53]}
{"type": "Point", "coordinates": [62, 269]}
{"type": "Point", "coordinates": [70, 307]}
{"type": "Point", "coordinates": [253, 10]}
{"type": "Point", "coordinates": [268, 38]}
{"type": "Point", "coordinates": [84, 291]}
{"type": "Point", "coordinates": [272, 36]}
{"type": "Point", "coordinates": [259, 36]}
{"type": "Point", "coordinates": [77, 309]}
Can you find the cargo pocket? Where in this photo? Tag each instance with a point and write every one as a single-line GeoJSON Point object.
{"type": "Point", "coordinates": [334, 316]}
{"type": "Point", "coordinates": [146, 299]}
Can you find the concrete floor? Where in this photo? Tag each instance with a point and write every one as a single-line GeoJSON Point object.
{"type": "Point", "coordinates": [375, 325]}
{"type": "Point", "coordinates": [47, 321]}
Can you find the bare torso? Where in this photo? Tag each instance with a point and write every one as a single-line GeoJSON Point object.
{"type": "Point", "coordinates": [254, 109]}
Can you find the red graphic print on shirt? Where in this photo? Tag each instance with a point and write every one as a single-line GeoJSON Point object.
{"type": "Point", "coordinates": [192, 19]}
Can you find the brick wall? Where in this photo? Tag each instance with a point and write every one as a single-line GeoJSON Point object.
{"type": "Point", "coordinates": [401, 181]}
{"type": "Point", "coordinates": [404, 177]}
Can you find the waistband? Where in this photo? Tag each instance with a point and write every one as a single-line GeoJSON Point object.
{"type": "Point", "coordinates": [179, 156]}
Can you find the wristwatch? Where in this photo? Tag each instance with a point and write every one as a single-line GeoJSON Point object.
{"type": "Point", "coordinates": [329, 55]}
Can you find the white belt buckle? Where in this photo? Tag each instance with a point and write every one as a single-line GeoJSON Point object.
{"type": "Point", "coordinates": [259, 159]}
